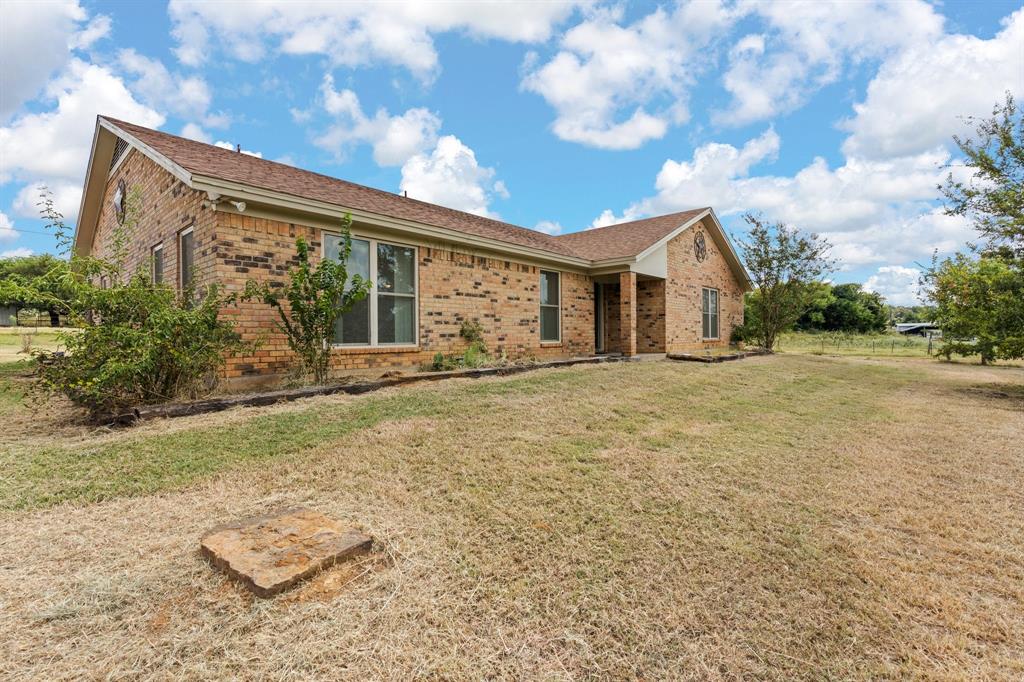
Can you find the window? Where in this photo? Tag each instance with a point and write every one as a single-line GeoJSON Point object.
{"type": "Point", "coordinates": [709, 310]}
{"type": "Point", "coordinates": [158, 263]}
{"type": "Point", "coordinates": [186, 256]}
{"type": "Point", "coordinates": [550, 310]}
{"type": "Point", "coordinates": [387, 316]}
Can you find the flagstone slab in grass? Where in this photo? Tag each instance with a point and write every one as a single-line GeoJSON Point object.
{"type": "Point", "coordinates": [269, 554]}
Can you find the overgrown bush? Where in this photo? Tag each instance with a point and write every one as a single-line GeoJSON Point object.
{"type": "Point", "coordinates": [138, 342]}
{"type": "Point", "coordinates": [145, 344]}
{"type": "Point", "coordinates": [472, 357]}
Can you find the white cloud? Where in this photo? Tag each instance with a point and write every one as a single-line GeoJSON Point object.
{"type": "Point", "coordinates": [450, 176]}
{"type": "Point", "coordinates": [776, 71]}
{"type": "Point", "coordinates": [549, 227]}
{"type": "Point", "coordinates": [223, 144]}
{"type": "Point", "coordinates": [394, 138]}
{"type": "Point", "coordinates": [185, 96]}
{"type": "Point", "coordinates": [7, 233]}
{"type": "Point", "coordinates": [98, 28]}
{"type": "Point", "coordinates": [914, 101]}
{"type": "Point", "coordinates": [20, 252]}
{"type": "Point", "coordinates": [617, 87]}
{"type": "Point", "coordinates": [194, 131]}
{"type": "Point", "coordinates": [52, 147]}
{"type": "Point", "coordinates": [66, 197]}
{"type": "Point", "coordinates": [36, 39]}
{"type": "Point", "coordinates": [352, 33]}
{"type": "Point", "coordinates": [873, 211]}
{"type": "Point", "coordinates": [898, 284]}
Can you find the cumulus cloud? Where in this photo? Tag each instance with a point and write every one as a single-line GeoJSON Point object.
{"type": "Point", "coordinates": [394, 138]}
{"type": "Point", "coordinates": [617, 87]}
{"type": "Point", "coordinates": [549, 227]}
{"type": "Point", "coordinates": [915, 100]}
{"type": "Point", "coordinates": [352, 33]}
{"type": "Point", "coordinates": [186, 96]}
{"type": "Point", "coordinates": [52, 147]}
{"type": "Point", "coordinates": [25, 26]}
{"type": "Point", "coordinates": [7, 233]}
{"type": "Point", "coordinates": [450, 176]}
{"type": "Point", "coordinates": [874, 211]}
{"type": "Point", "coordinates": [776, 71]}
{"type": "Point", "coordinates": [898, 284]}
{"type": "Point", "coordinates": [19, 252]}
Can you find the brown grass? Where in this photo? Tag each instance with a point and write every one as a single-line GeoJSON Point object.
{"type": "Point", "coordinates": [780, 517]}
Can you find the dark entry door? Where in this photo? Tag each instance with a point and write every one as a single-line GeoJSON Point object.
{"type": "Point", "coordinates": [598, 317]}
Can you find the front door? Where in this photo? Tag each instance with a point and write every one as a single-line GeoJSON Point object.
{"type": "Point", "coordinates": [598, 317]}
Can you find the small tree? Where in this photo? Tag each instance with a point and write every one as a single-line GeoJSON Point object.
{"type": "Point", "coordinates": [312, 301]}
{"type": "Point", "coordinates": [993, 198]}
{"type": "Point", "coordinates": [980, 307]}
{"type": "Point", "coordinates": [785, 266]}
{"type": "Point", "coordinates": [980, 300]}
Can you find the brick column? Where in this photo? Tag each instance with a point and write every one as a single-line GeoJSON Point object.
{"type": "Point", "coordinates": [627, 312]}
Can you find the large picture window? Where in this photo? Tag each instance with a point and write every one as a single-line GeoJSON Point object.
{"type": "Point", "coordinates": [550, 309]}
{"type": "Point", "coordinates": [709, 312]}
{"type": "Point", "coordinates": [387, 316]}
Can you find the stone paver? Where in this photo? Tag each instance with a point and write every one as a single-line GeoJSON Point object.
{"type": "Point", "coordinates": [270, 554]}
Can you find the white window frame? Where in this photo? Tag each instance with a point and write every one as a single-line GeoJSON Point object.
{"type": "Point", "coordinates": [717, 314]}
{"type": "Point", "coordinates": [159, 248]}
{"type": "Point", "coordinates": [543, 305]}
{"type": "Point", "coordinates": [181, 261]}
{"type": "Point", "coordinates": [373, 293]}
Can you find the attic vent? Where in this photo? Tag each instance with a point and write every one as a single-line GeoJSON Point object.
{"type": "Point", "coordinates": [120, 147]}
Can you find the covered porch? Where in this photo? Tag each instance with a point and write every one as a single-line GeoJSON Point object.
{"type": "Point", "coordinates": [629, 314]}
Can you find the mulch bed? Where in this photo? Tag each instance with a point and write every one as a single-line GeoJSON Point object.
{"type": "Point", "coordinates": [288, 394]}
{"type": "Point", "coordinates": [724, 357]}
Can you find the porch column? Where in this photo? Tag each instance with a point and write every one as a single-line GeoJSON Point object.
{"type": "Point", "coordinates": [627, 312]}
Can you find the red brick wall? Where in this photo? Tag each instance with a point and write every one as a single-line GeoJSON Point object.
{"type": "Point", "coordinates": [686, 277]}
{"type": "Point", "coordinates": [650, 316]}
{"type": "Point", "coordinates": [502, 295]}
{"type": "Point", "coordinates": [166, 206]}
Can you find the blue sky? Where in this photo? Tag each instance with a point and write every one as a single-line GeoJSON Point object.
{"type": "Point", "coordinates": [833, 117]}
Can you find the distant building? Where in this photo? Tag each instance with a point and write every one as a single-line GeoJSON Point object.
{"type": "Point", "coordinates": [918, 328]}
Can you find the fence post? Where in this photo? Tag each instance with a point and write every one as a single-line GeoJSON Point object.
{"type": "Point", "coordinates": [929, 344]}
{"type": "Point", "coordinates": [894, 347]}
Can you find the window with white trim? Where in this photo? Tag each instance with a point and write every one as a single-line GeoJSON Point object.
{"type": "Point", "coordinates": [157, 256]}
{"type": "Point", "coordinates": [387, 316]}
{"type": "Point", "coordinates": [186, 257]}
{"type": "Point", "coordinates": [709, 312]}
{"type": "Point", "coordinates": [550, 307]}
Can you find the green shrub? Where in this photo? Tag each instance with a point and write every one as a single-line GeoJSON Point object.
{"type": "Point", "coordinates": [146, 345]}
{"type": "Point", "coordinates": [312, 301]}
{"type": "Point", "coordinates": [139, 342]}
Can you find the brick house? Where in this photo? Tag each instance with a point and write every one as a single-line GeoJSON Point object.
{"type": "Point", "coordinates": [664, 284]}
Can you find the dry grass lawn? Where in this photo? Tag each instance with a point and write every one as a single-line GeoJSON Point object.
{"type": "Point", "coordinates": [786, 517]}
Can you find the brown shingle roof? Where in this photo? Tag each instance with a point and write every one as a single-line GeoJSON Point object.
{"type": "Point", "coordinates": [616, 241]}
{"type": "Point", "coordinates": [206, 159]}
{"type": "Point", "coordinates": [625, 239]}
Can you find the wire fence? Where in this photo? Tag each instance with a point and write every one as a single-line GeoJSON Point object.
{"type": "Point", "coordinates": [859, 344]}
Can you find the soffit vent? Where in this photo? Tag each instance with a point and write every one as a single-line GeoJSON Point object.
{"type": "Point", "coordinates": [120, 147]}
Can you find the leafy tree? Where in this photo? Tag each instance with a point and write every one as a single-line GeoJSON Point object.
{"type": "Point", "coordinates": [786, 267]}
{"type": "Point", "coordinates": [980, 307]}
{"type": "Point", "coordinates": [910, 313]}
{"type": "Point", "coordinates": [312, 301]}
{"type": "Point", "coordinates": [844, 308]}
{"type": "Point", "coordinates": [993, 197]}
{"type": "Point", "coordinates": [15, 273]}
{"type": "Point", "coordinates": [979, 298]}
